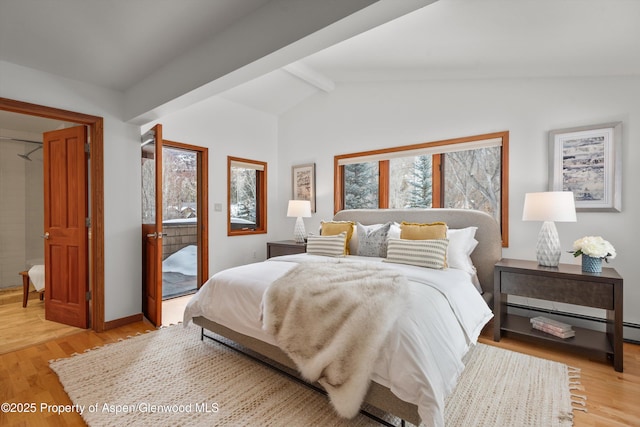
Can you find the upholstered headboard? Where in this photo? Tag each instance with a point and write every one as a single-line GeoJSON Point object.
{"type": "Point", "coordinates": [484, 257]}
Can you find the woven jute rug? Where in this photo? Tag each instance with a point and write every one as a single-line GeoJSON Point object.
{"type": "Point", "coordinates": [171, 377]}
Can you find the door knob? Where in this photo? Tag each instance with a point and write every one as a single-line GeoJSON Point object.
{"type": "Point", "coordinates": [45, 235]}
{"type": "Point", "coordinates": [156, 235]}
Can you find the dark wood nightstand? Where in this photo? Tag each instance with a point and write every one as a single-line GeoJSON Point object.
{"type": "Point", "coordinates": [285, 247]}
{"type": "Point", "coordinates": [568, 284]}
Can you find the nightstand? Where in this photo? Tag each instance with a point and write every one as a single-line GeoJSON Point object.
{"type": "Point", "coordinates": [568, 284]}
{"type": "Point", "coordinates": [285, 247]}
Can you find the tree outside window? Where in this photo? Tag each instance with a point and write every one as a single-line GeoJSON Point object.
{"type": "Point", "coordinates": [361, 185]}
{"type": "Point", "coordinates": [247, 196]}
{"type": "Point", "coordinates": [463, 173]}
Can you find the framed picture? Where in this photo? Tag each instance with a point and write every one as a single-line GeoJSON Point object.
{"type": "Point", "coordinates": [304, 183]}
{"type": "Point", "coordinates": [586, 160]}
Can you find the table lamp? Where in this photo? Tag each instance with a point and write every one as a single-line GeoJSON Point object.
{"type": "Point", "coordinates": [548, 207]}
{"type": "Point", "coordinates": [299, 209]}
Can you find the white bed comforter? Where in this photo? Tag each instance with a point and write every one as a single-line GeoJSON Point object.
{"type": "Point", "coordinates": [422, 358]}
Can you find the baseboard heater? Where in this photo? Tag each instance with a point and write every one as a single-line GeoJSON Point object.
{"type": "Point", "coordinates": [633, 328]}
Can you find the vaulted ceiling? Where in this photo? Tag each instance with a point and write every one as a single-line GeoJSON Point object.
{"type": "Point", "coordinates": [272, 54]}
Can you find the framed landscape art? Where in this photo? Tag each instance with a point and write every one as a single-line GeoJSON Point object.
{"type": "Point", "coordinates": [304, 183]}
{"type": "Point", "coordinates": [586, 160]}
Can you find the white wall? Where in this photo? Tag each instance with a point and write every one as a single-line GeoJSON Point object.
{"type": "Point", "coordinates": [12, 210]}
{"type": "Point", "coordinates": [21, 207]}
{"type": "Point", "coordinates": [357, 117]}
{"type": "Point", "coordinates": [229, 129]}
{"type": "Point", "coordinates": [123, 296]}
{"type": "Point", "coordinates": [222, 126]}
{"type": "Point", "coordinates": [351, 118]}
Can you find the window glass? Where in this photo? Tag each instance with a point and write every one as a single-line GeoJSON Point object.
{"type": "Point", "coordinates": [247, 196]}
{"type": "Point", "coordinates": [361, 185]}
{"type": "Point", "coordinates": [472, 180]}
{"type": "Point", "coordinates": [410, 182]}
{"type": "Point", "coordinates": [179, 183]}
{"type": "Point", "coordinates": [463, 173]}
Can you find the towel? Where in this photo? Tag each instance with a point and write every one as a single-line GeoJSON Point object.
{"type": "Point", "coordinates": [36, 274]}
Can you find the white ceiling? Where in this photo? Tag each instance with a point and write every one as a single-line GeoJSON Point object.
{"type": "Point", "coordinates": [472, 39]}
{"type": "Point", "coordinates": [110, 43]}
{"type": "Point", "coordinates": [449, 39]}
{"type": "Point", "coordinates": [493, 39]}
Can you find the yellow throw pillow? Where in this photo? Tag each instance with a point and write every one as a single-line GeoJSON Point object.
{"type": "Point", "coordinates": [331, 228]}
{"type": "Point", "coordinates": [427, 231]}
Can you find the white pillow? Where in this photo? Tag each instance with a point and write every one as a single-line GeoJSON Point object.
{"type": "Point", "coordinates": [326, 245]}
{"type": "Point", "coordinates": [394, 231]}
{"type": "Point", "coordinates": [372, 239]}
{"type": "Point", "coordinates": [462, 242]}
{"type": "Point", "coordinates": [423, 253]}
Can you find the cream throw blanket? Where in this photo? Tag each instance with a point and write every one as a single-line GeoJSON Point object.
{"type": "Point", "coordinates": [332, 320]}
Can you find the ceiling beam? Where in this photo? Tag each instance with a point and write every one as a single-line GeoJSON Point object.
{"type": "Point", "coordinates": [275, 35]}
{"type": "Point", "coordinates": [310, 76]}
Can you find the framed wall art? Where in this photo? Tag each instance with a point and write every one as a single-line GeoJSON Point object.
{"type": "Point", "coordinates": [587, 161]}
{"type": "Point", "coordinates": [304, 183]}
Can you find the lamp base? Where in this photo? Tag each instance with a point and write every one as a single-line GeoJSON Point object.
{"type": "Point", "coordinates": [548, 247]}
{"type": "Point", "coordinates": [299, 233]}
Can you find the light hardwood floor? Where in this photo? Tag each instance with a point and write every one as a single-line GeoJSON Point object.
{"type": "Point", "coordinates": [612, 397]}
{"type": "Point", "coordinates": [21, 327]}
{"type": "Point", "coordinates": [173, 309]}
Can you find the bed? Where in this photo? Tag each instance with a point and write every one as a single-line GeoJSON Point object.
{"type": "Point", "coordinates": [407, 381]}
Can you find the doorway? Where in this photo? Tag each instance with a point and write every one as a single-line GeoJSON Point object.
{"type": "Point", "coordinates": [179, 221]}
{"type": "Point", "coordinates": [95, 194]}
{"type": "Point", "coordinates": [174, 222]}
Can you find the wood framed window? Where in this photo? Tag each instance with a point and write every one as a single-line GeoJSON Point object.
{"type": "Point", "coordinates": [465, 173]}
{"type": "Point", "coordinates": [246, 196]}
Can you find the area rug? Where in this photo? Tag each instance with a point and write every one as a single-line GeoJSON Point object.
{"type": "Point", "coordinates": [170, 377]}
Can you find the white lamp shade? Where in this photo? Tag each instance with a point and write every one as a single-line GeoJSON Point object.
{"type": "Point", "coordinates": [549, 206]}
{"type": "Point", "coordinates": [299, 208]}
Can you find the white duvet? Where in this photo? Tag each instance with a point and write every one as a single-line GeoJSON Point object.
{"type": "Point", "coordinates": [422, 359]}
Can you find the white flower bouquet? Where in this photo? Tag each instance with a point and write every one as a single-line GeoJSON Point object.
{"type": "Point", "coordinates": [594, 246]}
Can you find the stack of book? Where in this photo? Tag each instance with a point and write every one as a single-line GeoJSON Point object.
{"type": "Point", "coordinates": [553, 327]}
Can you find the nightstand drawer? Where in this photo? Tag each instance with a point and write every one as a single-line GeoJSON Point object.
{"type": "Point", "coordinates": [591, 294]}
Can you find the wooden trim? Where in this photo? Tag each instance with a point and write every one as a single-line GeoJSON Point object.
{"type": "Point", "coordinates": [261, 208]}
{"type": "Point", "coordinates": [338, 176]}
{"type": "Point", "coordinates": [203, 212]}
{"type": "Point", "coordinates": [383, 184]}
{"type": "Point", "coordinates": [437, 181]}
{"type": "Point", "coordinates": [46, 112]}
{"type": "Point", "coordinates": [437, 194]}
{"type": "Point", "coordinates": [261, 179]}
{"type": "Point", "coordinates": [96, 257]}
{"type": "Point", "coordinates": [504, 182]}
{"type": "Point", "coordinates": [202, 159]}
{"type": "Point", "coordinates": [96, 172]}
{"type": "Point", "coordinates": [112, 324]}
{"type": "Point", "coordinates": [154, 314]}
{"type": "Point", "coordinates": [422, 145]}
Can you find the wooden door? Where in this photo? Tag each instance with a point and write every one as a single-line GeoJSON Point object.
{"type": "Point", "coordinates": [152, 227]}
{"type": "Point", "coordinates": [65, 227]}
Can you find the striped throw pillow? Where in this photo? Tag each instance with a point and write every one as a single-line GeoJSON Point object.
{"type": "Point", "coordinates": [423, 253]}
{"type": "Point", "coordinates": [327, 245]}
